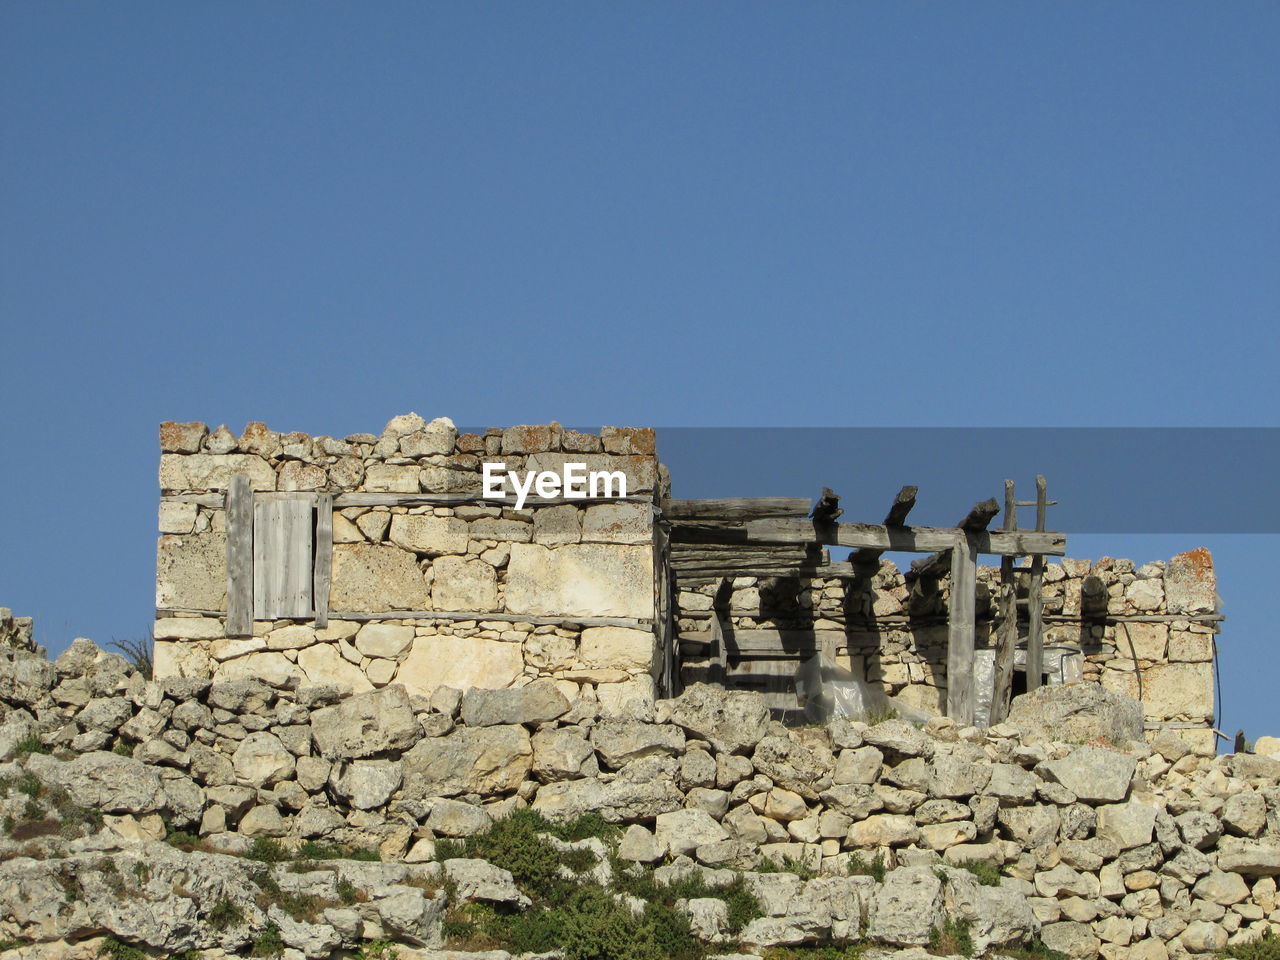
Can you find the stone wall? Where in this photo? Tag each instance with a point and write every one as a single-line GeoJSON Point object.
{"type": "Point", "coordinates": [1087, 838]}
{"type": "Point", "coordinates": [1145, 631]}
{"type": "Point", "coordinates": [15, 631]}
{"type": "Point", "coordinates": [564, 591]}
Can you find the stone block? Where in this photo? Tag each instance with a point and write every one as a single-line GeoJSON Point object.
{"type": "Point", "coordinates": [553, 526]}
{"type": "Point", "coordinates": [273, 668]}
{"type": "Point", "coordinates": [187, 628]}
{"type": "Point", "coordinates": [619, 647]}
{"type": "Point", "coordinates": [433, 536]}
{"type": "Point", "coordinates": [364, 725]}
{"type": "Point", "coordinates": [1178, 689]}
{"type": "Point", "coordinates": [629, 440]}
{"type": "Point", "coordinates": [191, 571]}
{"type": "Point", "coordinates": [588, 579]}
{"type": "Point", "coordinates": [1187, 647]}
{"type": "Point", "coordinates": [182, 437]}
{"type": "Point", "coordinates": [1191, 586]}
{"type": "Point", "coordinates": [296, 475]}
{"type": "Point", "coordinates": [178, 517]}
{"type": "Point", "coordinates": [640, 472]}
{"type": "Point", "coordinates": [208, 471]}
{"type": "Point", "coordinates": [1126, 824]}
{"type": "Point", "coordinates": [463, 585]}
{"type": "Point", "coordinates": [618, 523]}
{"type": "Point", "coordinates": [323, 663]}
{"type": "Point", "coordinates": [460, 662]}
{"type": "Point", "coordinates": [372, 578]}
{"type": "Point", "coordinates": [384, 639]}
{"type": "Point", "coordinates": [391, 478]}
{"type": "Point", "coordinates": [1143, 641]}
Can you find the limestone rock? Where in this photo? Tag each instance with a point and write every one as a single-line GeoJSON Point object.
{"type": "Point", "coordinates": [261, 760]}
{"type": "Point", "coordinates": [1077, 712]}
{"type": "Point", "coordinates": [372, 577]}
{"type": "Point", "coordinates": [489, 760]}
{"type": "Point", "coordinates": [1093, 774]}
{"type": "Point", "coordinates": [1126, 824]}
{"type": "Point", "coordinates": [640, 845]}
{"type": "Point", "coordinates": [454, 818]}
{"type": "Point", "coordinates": [559, 754]}
{"type": "Point", "coordinates": [907, 907]}
{"type": "Point", "coordinates": [366, 724]}
{"type": "Point", "coordinates": [537, 702]}
{"type": "Point", "coordinates": [103, 781]}
{"type": "Point", "coordinates": [620, 741]}
{"type": "Point", "coordinates": [481, 880]}
{"type": "Point", "coordinates": [580, 579]}
{"type": "Point", "coordinates": [461, 663]}
{"type": "Point", "coordinates": [366, 784]}
{"type": "Point", "coordinates": [682, 831]}
{"type": "Point", "coordinates": [733, 722]}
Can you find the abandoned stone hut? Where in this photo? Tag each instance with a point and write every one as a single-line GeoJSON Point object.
{"type": "Point", "coordinates": [427, 557]}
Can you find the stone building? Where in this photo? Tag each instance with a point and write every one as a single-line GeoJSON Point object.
{"type": "Point", "coordinates": [377, 559]}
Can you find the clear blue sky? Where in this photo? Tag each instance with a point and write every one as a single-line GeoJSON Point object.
{"type": "Point", "coordinates": [323, 214]}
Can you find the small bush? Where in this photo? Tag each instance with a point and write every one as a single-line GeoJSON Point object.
{"type": "Point", "coordinates": [987, 872]}
{"type": "Point", "coordinates": [581, 828]}
{"type": "Point", "coordinates": [378, 950]}
{"type": "Point", "coordinates": [114, 949]}
{"type": "Point", "coordinates": [139, 653]}
{"type": "Point", "coordinates": [29, 745]}
{"type": "Point", "coordinates": [347, 892]}
{"type": "Point", "coordinates": [268, 943]}
{"type": "Point", "coordinates": [182, 839]}
{"type": "Point", "coordinates": [268, 850]}
{"type": "Point", "coordinates": [848, 951]}
{"type": "Point", "coordinates": [952, 938]}
{"type": "Point", "coordinates": [141, 871]}
{"type": "Point", "coordinates": [515, 844]}
{"type": "Point", "coordinates": [122, 748]}
{"type": "Point", "coordinates": [1266, 947]}
{"type": "Point", "coordinates": [225, 913]}
{"type": "Point", "coordinates": [860, 866]}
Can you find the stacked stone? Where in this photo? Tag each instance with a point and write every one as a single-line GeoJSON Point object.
{"type": "Point", "coordinates": [552, 563]}
{"type": "Point", "coordinates": [1166, 662]}
{"type": "Point", "coordinates": [16, 631]}
{"type": "Point", "coordinates": [1116, 847]}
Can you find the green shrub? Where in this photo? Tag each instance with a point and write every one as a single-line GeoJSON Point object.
{"type": "Point", "coordinates": [1266, 947]}
{"type": "Point", "coordinates": [514, 843]}
{"type": "Point", "coordinates": [122, 748]}
{"type": "Point", "coordinates": [268, 850]}
{"type": "Point", "coordinates": [987, 872]}
{"type": "Point", "coordinates": [378, 950]}
{"type": "Point", "coordinates": [952, 938]}
{"type": "Point", "coordinates": [580, 828]}
{"type": "Point", "coordinates": [848, 951]}
{"type": "Point", "coordinates": [268, 943]}
{"type": "Point", "coordinates": [347, 891]}
{"type": "Point", "coordinates": [225, 913]}
{"type": "Point", "coordinates": [29, 745]}
{"type": "Point", "coordinates": [114, 949]}
{"type": "Point", "coordinates": [860, 866]}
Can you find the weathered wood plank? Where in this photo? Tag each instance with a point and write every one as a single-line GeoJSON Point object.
{"type": "Point", "coordinates": [282, 558]}
{"type": "Point", "coordinates": [960, 631]}
{"type": "Point", "coordinates": [869, 559]}
{"type": "Point", "coordinates": [239, 507]}
{"type": "Point", "coordinates": [766, 641]}
{"type": "Point", "coordinates": [736, 508]}
{"type": "Point", "coordinates": [875, 536]}
{"type": "Point", "coordinates": [981, 514]}
{"type": "Point", "coordinates": [1007, 635]}
{"type": "Point", "coordinates": [1035, 624]}
{"type": "Point", "coordinates": [827, 509]}
{"type": "Point", "coordinates": [363, 499]}
{"type": "Point", "coordinates": [323, 569]}
{"type": "Point", "coordinates": [826, 571]}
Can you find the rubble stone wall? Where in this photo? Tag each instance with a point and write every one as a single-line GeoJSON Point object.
{"type": "Point", "coordinates": [1092, 840]}
{"type": "Point", "coordinates": [521, 592]}
{"type": "Point", "coordinates": [1146, 631]}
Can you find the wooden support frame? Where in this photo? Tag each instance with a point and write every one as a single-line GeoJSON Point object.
{"type": "Point", "coordinates": [961, 630]}
{"type": "Point", "coordinates": [239, 517]}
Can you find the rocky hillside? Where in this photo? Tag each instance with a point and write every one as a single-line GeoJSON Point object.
{"type": "Point", "coordinates": [179, 817]}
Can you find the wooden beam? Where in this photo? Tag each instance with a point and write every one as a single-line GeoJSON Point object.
{"type": "Point", "coordinates": [980, 516]}
{"type": "Point", "coordinates": [876, 536]}
{"type": "Point", "coordinates": [1035, 625]}
{"type": "Point", "coordinates": [896, 517]}
{"type": "Point", "coordinates": [1007, 634]}
{"type": "Point", "coordinates": [736, 508]}
{"type": "Point", "coordinates": [363, 499]}
{"type": "Point", "coordinates": [960, 631]}
{"type": "Point", "coordinates": [323, 571]}
{"type": "Point", "coordinates": [827, 509]}
{"type": "Point", "coordinates": [239, 508]}
{"type": "Point", "coordinates": [823, 571]}
{"type": "Point", "coordinates": [765, 641]}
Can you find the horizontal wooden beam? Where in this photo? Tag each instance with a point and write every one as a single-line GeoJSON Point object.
{"type": "Point", "coordinates": [362, 617]}
{"type": "Point", "coordinates": [764, 641]}
{"type": "Point", "coordinates": [363, 499]}
{"type": "Point", "coordinates": [736, 508]}
{"type": "Point", "coordinates": [825, 571]}
{"type": "Point", "coordinates": [869, 535]}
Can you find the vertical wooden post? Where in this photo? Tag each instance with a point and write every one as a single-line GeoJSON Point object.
{"type": "Point", "coordinates": [323, 562]}
{"type": "Point", "coordinates": [721, 671]}
{"type": "Point", "coordinates": [1035, 606]}
{"type": "Point", "coordinates": [960, 630]}
{"type": "Point", "coordinates": [239, 517]}
{"type": "Point", "coordinates": [1007, 638]}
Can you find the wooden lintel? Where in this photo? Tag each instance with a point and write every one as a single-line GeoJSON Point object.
{"type": "Point", "coordinates": [870, 535]}
{"type": "Point", "coordinates": [736, 508]}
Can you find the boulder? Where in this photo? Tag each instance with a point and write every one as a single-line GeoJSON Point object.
{"type": "Point", "coordinates": [620, 741]}
{"type": "Point", "coordinates": [560, 753]}
{"type": "Point", "coordinates": [103, 781]}
{"type": "Point", "coordinates": [733, 722]}
{"type": "Point", "coordinates": [682, 831]}
{"type": "Point", "coordinates": [1093, 774]}
{"type": "Point", "coordinates": [366, 784]}
{"type": "Point", "coordinates": [907, 907]}
{"type": "Point", "coordinates": [366, 724]}
{"type": "Point", "coordinates": [537, 702]}
{"type": "Point", "coordinates": [262, 760]}
{"type": "Point", "coordinates": [485, 760]}
{"type": "Point", "coordinates": [1077, 712]}
{"type": "Point", "coordinates": [481, 880]}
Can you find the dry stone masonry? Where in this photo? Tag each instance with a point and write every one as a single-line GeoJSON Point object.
{"type": "Point", "coordinates": [412, 580]}
{"type": "Point", "coordinates": [376, 559]}
{"type": "Point", "coordinates": [1061, 826]}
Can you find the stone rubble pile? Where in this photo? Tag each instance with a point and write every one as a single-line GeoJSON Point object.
{"type": "Point", "coordinates": [1097, 844]}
